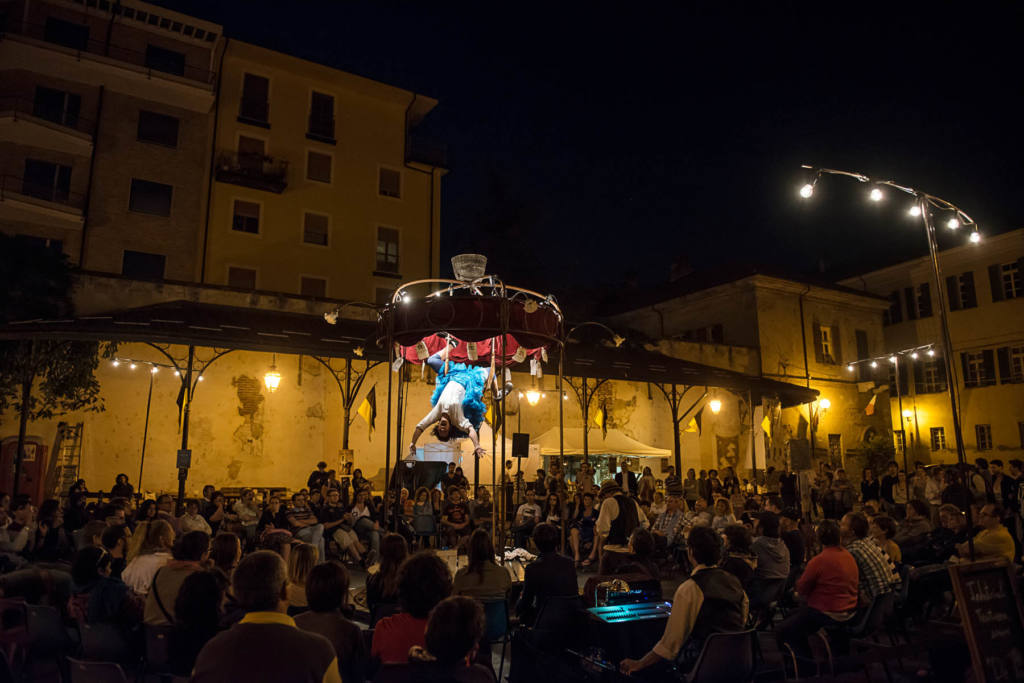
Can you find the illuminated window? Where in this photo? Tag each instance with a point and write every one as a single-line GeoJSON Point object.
{"type": "Point", "coordinates": [938, 438]}
{"type": "Point", "coordinates": [984, 436]}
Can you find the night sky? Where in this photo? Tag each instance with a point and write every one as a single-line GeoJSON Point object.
{"type": "Point", "coordinates": [595, 144]}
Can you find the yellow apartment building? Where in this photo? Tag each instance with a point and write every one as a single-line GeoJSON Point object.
{"type": "Point", "coordinates": [983, 285]}
{"type": "Point", "coordinates": [319, 188]}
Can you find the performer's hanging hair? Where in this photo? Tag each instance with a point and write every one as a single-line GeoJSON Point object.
{"type": "Point", "coordinates": [458, 406]}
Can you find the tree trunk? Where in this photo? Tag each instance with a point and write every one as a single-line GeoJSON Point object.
{"type": "Point", "coordinates": [19, 455]}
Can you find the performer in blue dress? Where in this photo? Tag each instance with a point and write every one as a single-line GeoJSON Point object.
{"type": "Point", "coordinates": [458, 406]}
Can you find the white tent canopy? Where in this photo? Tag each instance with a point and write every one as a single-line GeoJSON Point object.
{"type": "Point", "coordinates": [614, 443]}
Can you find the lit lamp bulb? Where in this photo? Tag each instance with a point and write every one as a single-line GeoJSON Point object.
{"type": "Point", "coordinates": [915, 211]}
{"type": "Point", "coordinates": [914, 355]}
{"type": "Point", "coordinates": [115, 362]}
{"type": "Point", "coordinates": [975, 237]}
{"type": "Point", "coordinates": [715, 405]}
{"type": "Point", "coordinates": [907, 413]}
{"type": "Point", "coordinates": [155, 369]}
{"type": "Point", "coordinates": [532, 397]}
{"type": "Point", "coordinates": [892, 359]}
{"type": "Point", "coordinates": [849, 368]}
{"type": "Point", "coordinates": [825, 404]}
{"type": "Point", "coordinates": [132, 366]}
{"type": "Point", "coordinates": [272, 379]}
{"type": "Point", "coordinates": [876, 194]}
{"type": "Point", "coordinates": [931, 352]}
{"type": "Point", "coordinates": [874, 364]}
{"type": "Point", "coordinates": [953, 224]}
{"type": "Point", "coordinates": [806, 191]}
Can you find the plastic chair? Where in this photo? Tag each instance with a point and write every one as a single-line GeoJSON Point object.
{"type": "Point", "coordinates": [95, 672]}
{"type": "Point", "coordinates": [497, 626]}
{"type": "Point", "coordinates": [726, 658]}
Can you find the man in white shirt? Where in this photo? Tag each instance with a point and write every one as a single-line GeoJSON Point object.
{"type": "Point", "coordinates": [620, 516]}
{"type": "Point", "coordinates": [527, 517]}
{"type": "Point", "coordinates": [192, 520]}
{"type": "Point", "coordinates": [448, 413]}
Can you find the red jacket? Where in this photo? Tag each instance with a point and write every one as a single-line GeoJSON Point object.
{"type": "Point", "coordinates": [829, 583]}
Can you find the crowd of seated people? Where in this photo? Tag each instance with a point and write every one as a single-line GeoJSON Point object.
{"type": "Point", "coordinates": [222, 577]}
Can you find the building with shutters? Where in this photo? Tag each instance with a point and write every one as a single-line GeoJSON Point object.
{"type": "Point", "coordinates": [320, 187]}
{"type": "Point", "coordinates": [782, 328]}
{"type": "Point", "coordinates": [984, 287]}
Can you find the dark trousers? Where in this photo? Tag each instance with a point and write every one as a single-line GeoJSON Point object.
{"type": "Point", "coordinates": [522, 534]}
{"type": "Point", "coordinates": [799, 626]}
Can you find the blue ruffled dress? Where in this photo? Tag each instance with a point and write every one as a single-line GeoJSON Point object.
{"type": "Point", "coordinates": [472, 379]}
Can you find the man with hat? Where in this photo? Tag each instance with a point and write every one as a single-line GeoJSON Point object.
{"type": "Point", "coordinates": [620, 516]}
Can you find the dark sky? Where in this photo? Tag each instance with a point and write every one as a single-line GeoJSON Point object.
{"type": "Point", "coordinates": [593, 143]}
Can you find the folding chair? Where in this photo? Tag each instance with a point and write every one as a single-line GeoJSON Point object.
{"type": "Point", "coordinates": [726, 658]}
{"type": "Point", "coordinates": [95, 672]}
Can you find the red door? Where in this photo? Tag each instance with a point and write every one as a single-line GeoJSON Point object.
{"type": "Point", "coordinates": [33, 467]}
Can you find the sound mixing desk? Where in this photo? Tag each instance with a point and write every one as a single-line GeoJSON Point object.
{"type": "Point", "coordinates": [645, 611]}
{"type": "Point", "coordinates": [627, 630]}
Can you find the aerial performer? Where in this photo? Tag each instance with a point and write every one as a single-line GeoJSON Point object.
{"type": "Point", "coordinates": [458, 406]}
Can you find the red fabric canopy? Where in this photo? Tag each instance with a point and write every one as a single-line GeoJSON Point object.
{"type": "Point", "coordinates": [460, 353]}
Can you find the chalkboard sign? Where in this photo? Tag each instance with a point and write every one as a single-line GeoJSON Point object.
{"type": "Point", "coordinates": [990, 609]}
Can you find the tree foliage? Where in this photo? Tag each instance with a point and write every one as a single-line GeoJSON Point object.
{"type": "Point", "coordinates": [35, 283]}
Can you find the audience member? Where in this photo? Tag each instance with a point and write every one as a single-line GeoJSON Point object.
{"type": "Point", "coordinates": [710, 601]}
{"type": "Point", "coordinates": [527, 517]}
{"type": "Point", "coordinates": [252, 649]}
{"type": "Point", "coordinates": [327, 594]}
{"type": "Point", "coordinates": [620, 514]}
{"type": "Point", "coordinates": [455, 520]}
{"type": "Point", "coordinates": [882, 530]}
{"type": "Point", "coordinates": [338, 527]}
{"type": "Point", "coordinates": [154, 553]}
{"type": "Point", "coordinates": [382, 585]}
{"type": "Point", "coordinates": [875, 570]}
{"type": "Point", "coordinates": [198, 613]}
{"type": "Point", "coordinates": [225, 552]}
{"type": "Point", "coordinates": [773, 562]}
{"type": "Point", "coordinates": [581, 530]}
{"type": "Point", "coordinates": [738, 557]}
{"type": "Point", "coordinates": [97, 598]}
{"type": "Point", "coordinates": [481, 577]}
{"type": "Point", "coordinates": [916, 526]}
{"type": "Point", "coordinates": [453, 634]}
{"type": "Point", "coordinates": [192, 520]}
{"type": "Point", "coordinates": [994, 540]}
{"type": "Point", "coordinates": [304, 524]}
{"type": "Point", "coordinates": [828, 587]}
{"type": "Point", "coordinates": [115, 541]}
{"type": "Point", "coordinates": [550, 575]}
{"type": "Point", "coordinates": [366, 524]}
{"type": "Point", "coordinates": [301, 560]}
{"type": "Point", "coordinates": [189, 552]}
{"type": "Point", "coordinates": [423, 581]}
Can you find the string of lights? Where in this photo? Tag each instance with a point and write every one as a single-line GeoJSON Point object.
{"type": "Point", "coordinates": [913, 353]}
{"type": "Point", "coordinates": [957, 220]}
{"type": "Point", "coordinates": [154, 366]}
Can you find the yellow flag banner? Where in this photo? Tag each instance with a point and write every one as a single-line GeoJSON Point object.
{"type": "Point", "coordinates": [368, 408]}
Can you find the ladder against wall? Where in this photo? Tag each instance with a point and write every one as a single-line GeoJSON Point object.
{"type": "Point", "coordinates": [67, 458]}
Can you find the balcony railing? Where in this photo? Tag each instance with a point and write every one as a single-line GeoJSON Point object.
{"type": "Point", "coordinates": [59, 115]}
{"type": "Point", "coordinates": [14, 187]}
{"type": "Point", "coordinates": [112, 50]}
{"type": "Point", "coordinates": [257, 171]}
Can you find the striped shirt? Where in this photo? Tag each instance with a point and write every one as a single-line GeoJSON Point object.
{"type": "Point", "coordinates": [877, 572]}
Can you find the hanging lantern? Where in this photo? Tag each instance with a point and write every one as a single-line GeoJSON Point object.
{"type": "Point", "coordinates": [272, 379]}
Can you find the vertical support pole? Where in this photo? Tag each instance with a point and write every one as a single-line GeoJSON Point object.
{"type": "Point", "coordinates": [347, 402]}
{"type": "Point", "coordinates": [145, 434]}
{"type": "Point", "coordinates": [899, 407]}
{"type": "Point", "coordinates": [561, 423]}
{"type": "Point", "coordinates": [387, 438]}
{"type": "Point", "coordinates": [753, 435]}
{"type": "Point", "coordinates": [675, 433]}
{"type": "Point", "coordinates": [186, 410]}
{"type": "Point", "coordinates": [947, 351]}
{"type": "Point", "coordinates": [585, 407]}
{"type": "Point", "coordinates": [391, 483]}
{"type": "Point", "coordinates": [504, 337]}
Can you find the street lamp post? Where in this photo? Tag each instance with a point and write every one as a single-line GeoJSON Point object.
{"type": "Point", "coordinates": [923, 205]}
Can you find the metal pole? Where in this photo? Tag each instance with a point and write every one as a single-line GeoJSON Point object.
{"type": "Point", "coordinates": [585, 407]}
{"type": "Point", "coordinates": [504, 337]}
{"type": "Point", "coordinates": [391, 483]}
{"type": "Point", "coordinates": [675, 433]}
{"type": "Point", "coordinates": [947, 350]}
{"type": "Point", "coordinates": [561, 422]}
{"type": "Point", "coordinates": [346, 403]}
{"type": "Point", "coordinates": [387, 438]}
{"type": "Point", "coordinates": [183, 471]}
{"type": "Point", "coordinates": [899, 404]}
{"type": "Point", "coordinates": [145, 434]}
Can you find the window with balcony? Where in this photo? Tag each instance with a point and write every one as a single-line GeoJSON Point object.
{"type": "Point", "coordinates": [983, 433]}
{"type": "Point", "coordinates": [143, 266]}
{"type": "Point", "coordinates": [315, 229]}
{"type": "Point", "coordinates": [46, 180]}
{"type": "Point", "coordinates": [254, 107]}
{"type": "Point", "coordinates": [57, 106]}
{"type": "Point", "coordinates": [938, 438]}
{"type": "Point", "coordinates": [387, 251]}
{"type": "Point", "coordinates": [242, 278]}
{"type": "Point", "coordinates": [318, 167]}
{"type": "Point", "coordinates": [321, 117]}
{"type": "Point", "coordinates": [960, 291]}
{"type": "Point", "coordinates": [150, 197]}
{"type": "Point", "coordinates": [66, 33]}
{"type": "Point", "coordinates": [978, 368]}
{"type": "Point", "coordinates": [313, 286]}
{"type": "Point", "coordinates": [251, 153]}
{"type": "Point", "coordinates": [246, 217]}
{"type": "Point", "coordinates": [390, 183]}
{"type": "Point", "coordinates": [162, 59]}
{"type": "Point", "coordinates": [157, 128]}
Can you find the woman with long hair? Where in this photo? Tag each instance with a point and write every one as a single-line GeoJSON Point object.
{"type": "Point", "coordinates": [691, 489]}
{"type": "Point", "coordinates": [553, 509]}
{"type": "Point", "coordinates": [301, 561]}
{"type": "Point", "coordinates": [645, 487]}
{"type": "Point", "coordinates": [723, 515]}
{"type": "Point", "coordinates": [154, 553]}
{"type": "Point", "coordinates": [482, 577]}
{"type": "Point", "coordinates": [143, 517]}
{"type": "Point", "coordinates": [382, 585]}
{"type": "Point", "coordinates": [225, 552]}
{"type": "Point", "coordinates": [423, 521]}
